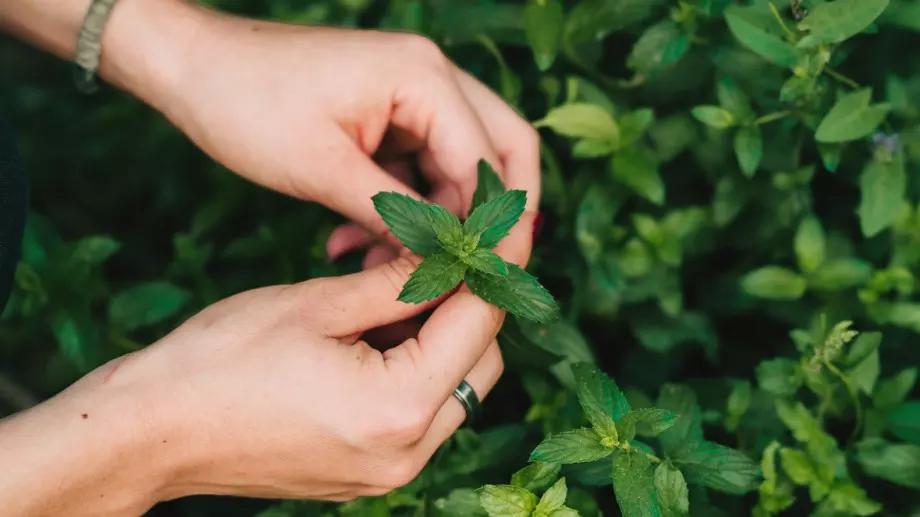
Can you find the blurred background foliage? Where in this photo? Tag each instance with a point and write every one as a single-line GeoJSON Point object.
{"type": "Point", "coordinates": [724, 182]}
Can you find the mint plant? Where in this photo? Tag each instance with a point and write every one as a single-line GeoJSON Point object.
{"type": "Point", "coordinates": [455, 252]}
{"type": "Point", "coordinates": [518, 498]}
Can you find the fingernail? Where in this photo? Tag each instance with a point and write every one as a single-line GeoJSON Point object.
{"type": "Point", "coordinates": [537, 224]}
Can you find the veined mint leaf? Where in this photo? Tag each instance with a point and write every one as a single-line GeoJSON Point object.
{"type": "Point", "coordinates": [634, 485]}
{"type": "Point", "coordinates": [488, 185]}
{"type": "Point", "coordinates": [578, 446]}
{"type": "Point", "coordinates": [654, 421]}
{"type": "Point", "coordinates": [436, 275]}
{"type": "Point", "coordinates": [486, 261]}
{"type": "Point", "coordinates": [851, 118]}
{"type": "Point", "coordinates": [687, 430]}
{"type": "Point", "coordinates": [718, 467]}
{"type": "Point", "coordinates": [411, 221]}
{"type": "Point", "coordinates": [518, 293]}
{"type": "Point", "coordinates": [672, 491]}
{"type": "Point", "coordinates": [536, 476]}
{"type": "Point", "coordinates": [833, 22]}
{"type": "Point", "coordinates": [755, 31]}
{"type": "Point", "coordinates": [552, 499]}
{"type": "Point", "coordinates": [600, 398]}
{"type": "Point", "coordinates": [507, 501]}
{"type": "Point", "coordinates": [494, 219]}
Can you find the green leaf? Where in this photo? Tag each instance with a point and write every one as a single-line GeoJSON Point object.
{"type": "Point", "coordinates": [904, 421]}
{"type": "Point", "coordinates": [672, 491]}
{"type": "Point", "coordinates": [781, 376]}
{"type": "Point", "coordinates": [592, 222]}
{"type": "Point", "coordinates": [488, 185]}
{"type": "Point", "coordinates": [518, 293]}
{"type": "Point", "coordinates": [536, 477]}
{"type": "Point", "coordinates": [883, 187]}
{"type": "Point", "coordinates": [494, 219]}
{"type": "Point", "coordinates": [543, 23]}
{"type": "Point", "coordinates": [95, 249]}
{"type": "Point", "coordinates": [581, 120]}
{"type": "Point", "coordinates": [460, 502]}
{"type": "Point", "coordinates": [486, 261]}
{"type": "Point", "coordinates": [898, 463]}
{"type": "Point", "coordinates": [146, 304]}
{"type": "Point", "coordinates": [410, 220]}
{"type": "Point", "coordinates": [687, 430]}
{"type": "Point", "coordinates": [865, 374]}
{"type": "Point", "coordinates": [833, 22]}
{"type": "Point", "coordinates": [654, 421]}
{"type": "Point", "coordinates": [754, 32]}
{"type": "Point", "coordinates": [564, 512]}
{"type": "Point", "coordinates": [773, 283]}
{"type": "Point", "coordinates": [847, 498]}
{"type": "Point", "coordinates": [749, 149]}
{"type": "Point", "coordinates": [436, 275]}
{"type": "Point", "coordinates": [797, 466]}
{"type": "Point", "coordinates": [634, 485]}
{"type": "Point", "coordinates": [588, 148]}
{"type": "Point", "coordinates": [578, 446]}
{"type": "Point", "coordinates": [507, 501]}
{"type": "Point", "coordinates": [809, 244]}
{"type": "Point", "coordinates": [830, 155]}
{"type": "Point", "coordinates": [718, 467]}
{"type": "Point", "coordinates": [739, 401]}
{"type": "Point", "coordinates": [553, 499]}
{"type": "Point", "coordinates": [658, 48]}
{"type": "Point", "coordinates": [600, 399]}
{"type": "Point", "coordinates": [636, 168]}
{"type": "Point", "coordinates": [634, 124]}
{"type": "Point", "coordinates": [851, 118]}
{"type": "Point", "coordinates": [840, 274]}
{"type": "Point", "coordinates": [713, 116]}
{"type": "Point", "coordinates": [892, 391]}
{"type": "Point", "coordinates": [71, 340]}
{"type": "Point", "coordinates": [733, 98]}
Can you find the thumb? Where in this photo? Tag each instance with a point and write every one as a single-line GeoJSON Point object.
{"type": "Point", "coordinates": [352, 304]}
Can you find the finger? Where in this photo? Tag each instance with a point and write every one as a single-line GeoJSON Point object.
{"type": "Point", "coordinates": [482, 378]}
{"type": "Point", "coordinates": [514, 139]}
{"type": "Point", "coordinates": [379, 255]}
{"type": "Point", "coordinates": [356, 303]}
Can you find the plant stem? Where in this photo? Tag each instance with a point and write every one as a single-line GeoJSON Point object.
{"type": "Point", "coordinates": [853, 394]}
{"type": "Point", "coordinates": [782, 23]}
{"type": "Point", "coordinates": [842, 78]}
{"type": "Point", "coordinates": [770, 117]}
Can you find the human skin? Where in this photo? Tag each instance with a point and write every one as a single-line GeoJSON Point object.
{"type": "Point", "coordinates": [229, 403]}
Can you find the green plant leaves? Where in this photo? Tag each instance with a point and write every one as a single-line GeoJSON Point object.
{"type": "Point", "coordinates": [486, 261]}
{"type": "Point", "coordinates": [436, 275]}
{"type": "Point", "coordinates": [718, 467]}
{"type": "Point", "coordinates": [882, 186]}
{"type": "Point", "coordinates": [518, 293]}
{"type": "Point", "coordinates": [600, 399]}
{"type": "Point", "coordinates": [755, 30]}
{"type": "Point", "coordinates": [578, 446]}
{"type": "Point", "coordinates": [410, 220]}
{"type": "Point", "coordinates": [553, 499]}
{"type": "Point", "coordinates": [659, 47]}
{"type": "Point", "coordinates": [537, 476]}
{"type": "Point", "coordinates": [714, 116]}
{"type": "Point", "coordinates": [748, 144]}
{"type": "Point", "coordinates": [494, 219]}
{"type": "Point", "coordinates": [488, 185]}
{"type": "Point", "coordinates": [543, 24]}
{"type": "Point", "coordinates": [633, 485]}
{"type": "Point", "coordinates": [672, 491]}
{"type": "Point", "coordinates": [809, 244]}
{"type": "Point", "coordinates": [582, 120]}
{"type": "Point", "coordinates": [904, 422]}
{"type": "Point", "coordinates": [504, 500]}
{"type": "Point", "coordinates": [146, 304]}
{"type": "Point", "coordinates": [897, 463]}
{"type": "Point", "coordinates": [774, 283]}
{"type": "Point", "coordinates": [852, 117]}
{"type": "Point", "coordinates": [833, 22]}
{"type": "Point", "coordinates": [653, 421]}
{"type": "Point", "coordinates": [638, 170]}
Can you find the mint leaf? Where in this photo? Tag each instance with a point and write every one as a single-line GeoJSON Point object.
{"type": "Point", "coordinates": [718, 467]}
{"type": "Point", "coordinates": [488, 185]}
{"type": "Point", "coordinates": [518, 293]}
{"type": "Point", "coordinates": [507, 501]}
{"type": "Point", "coordinates": [774, 283]}
{"type": "Point", "coordinates": [904, 421]}
{"type": "Point", "coordinates": [553, 499]}
{"type": "Point", "coordinates": [898, 463]}
{"type": "Point", "coordinates": [893, 390]}
{"type": "Point", "coordinates": [543, 22]}
{"type": "Point", "coordinates": [757, 33]}
{"type": "Point", "coordinates": [840, 274]}
{"type": "Point", "coordinates": [797, 466]}
{"type": "Point", "coordinates": [536, 476]}
{"type": "Point", "coordinates": [883, 188]}
{"type": "Point", "coordinates": [600, 399]}
{"type": "Point", "coordinates": [653, 420]}
{"type": "Point", "coordinates": [851, 118]}
{"type": "Point", "coordinates": [486, 261]}
{"type": "Point", "coordinates": [833, 22]}
{"type": "Point", "coordinates": [713, 116]}
{"type": "Point", "coordinates": [578, 446]}
{"type": "Point", "coordinates": [95, 249]}
{"type": "Point", "coordinates": [146, 304]}
{"type": "Point", "coordinates": [635, 168]}
{"type": "Point", "coordinates": [564, 512]}
{"type": "Point", "coordinates": [436, 275]}
{"type": "Point", "coordinates": [661, 46]}
{"type": "Point", "coordinates": [411, 221]}
{"type": "Point", "coordinates": [748, 145]}
{"type": "Point", "coordinates": [460, 502]}
{"type": "Point", "coordinates": [494, 219]}
{"type": "Point", "coordinates": [582, 120]}
{"type": "Point", "coordinates": [687, 429]}
{"type": "Point", "coordinates": [673, 493]}
{"type": "Point", "coordinates": [781, 376]}
{"type": "Point", "coordinates": [809, 244]}
{"type": "Point", "coordinates": [634, 485]}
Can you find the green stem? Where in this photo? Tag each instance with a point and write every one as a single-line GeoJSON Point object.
{"type": "Point", "coordinates": [770, 117]}
{"type": "Point", "coordinates": [782, 23]}
{"type": "Point", "coordinates": [854, 394]}
{"type": "Point", "coordinates": [842, 78]}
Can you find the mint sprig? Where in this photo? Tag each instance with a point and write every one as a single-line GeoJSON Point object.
{"type": "Point", "coordinates": [455, 252]}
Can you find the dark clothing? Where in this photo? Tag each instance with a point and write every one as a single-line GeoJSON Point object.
{"type": "Point", "coordinates": [13, 207]}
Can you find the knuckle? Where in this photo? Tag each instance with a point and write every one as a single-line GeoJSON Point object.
{"type": "Point", "coordinates": [529, 139]}
{"type": "Point", "coordinates": [425, 50]}
{"type": "Point", "coordinates": [399, 473]}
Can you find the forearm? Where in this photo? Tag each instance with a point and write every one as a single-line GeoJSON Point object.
{"type": "Point", "coordinates": [143, 44]}
{"type": "Point", "coordinates": [89, 451]}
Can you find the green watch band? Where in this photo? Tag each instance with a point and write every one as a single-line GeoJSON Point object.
{"type": "Point", "coordinates": [89, 45]}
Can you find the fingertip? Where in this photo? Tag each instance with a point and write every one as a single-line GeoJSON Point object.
{"type": "Point", "coordinates": [379, 254]}
{"type": "Point", "coordinates": [346, 238]}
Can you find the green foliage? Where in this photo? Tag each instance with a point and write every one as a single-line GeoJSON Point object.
{"type": "Point", "coordinates": [728, 192]}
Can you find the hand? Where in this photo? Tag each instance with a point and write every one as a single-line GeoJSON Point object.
{"type": "Point", "coordinates": [323, 114]}
{"type": "Point", "coordinates": [269, 393]}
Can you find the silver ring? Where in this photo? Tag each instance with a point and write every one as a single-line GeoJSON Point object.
{"type": "Point", "coordinates": [469, 399]}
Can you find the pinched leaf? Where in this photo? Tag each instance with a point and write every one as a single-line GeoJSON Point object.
{"type": "Point", "coordinates": [578, 446]}
{"type": "Point", "coordinates": [852, 117]}
{"type": "Point", "coordinates": [536, 476]}
{"type": "Point", "coordinates": [755, 31]}
{"type": "Point", "coordinates": [634, 485]}
{"type": "Point", "coordinates": [543, 23]}
{"type": "Point", "coordinates": [672, 491]}
{"type": "Point", "coordinates": [553, 499]}
{"type": "Point", "coordinates": [600, 399]}
{"type": "Point", "coordinates": [718, 467]}
{"type": "Point", "coordinates": [507, 501]}
{"type": "Point", "coordinates": [833, 22]}
{"type": "Point", "coordinates": [494, 219]}
{"type": "Point", "coordinates": [488, 185]}
{"type": "Point", "coordinates": [436, 275]}
{"type": "Point", "coordinates": [411, 221]}
{"type": "Point", "coordinates": [654, 421]}
{"type": "Point", "coordinates": [486, 261]}
{"type": "Point", "coordinates": [518, 293]}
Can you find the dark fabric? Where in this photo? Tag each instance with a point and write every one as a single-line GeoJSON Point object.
{"type": "Point", "coordinates": [13, 206]}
